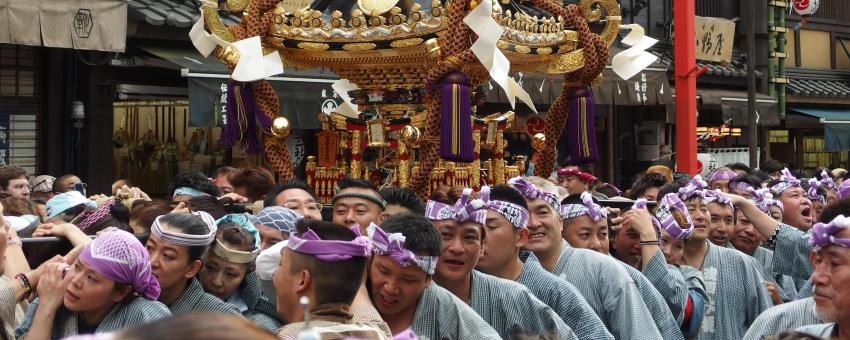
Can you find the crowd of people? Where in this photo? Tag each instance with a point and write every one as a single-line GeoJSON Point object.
{"type": "Point", "coordinates": [743, 254]}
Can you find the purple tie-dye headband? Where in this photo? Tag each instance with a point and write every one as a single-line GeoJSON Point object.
{"type": "Point", "coordinates": [787, 181]}
{"type": "Point", "coordinates": [722, 175]}
{"type": "Point", "coordinates": [588, 207]}
{"type": "Point", "coordinates": [667, 218]}
{"type": "Point", "coordinates": [530, 191]}
{"type": "Point", "coordinates": [764, 200]}
{"type": "Point", "coordinates": [696, 186]}
{"type": "Point", "coordinates": [186, 240]}
{"type": "Point", "coordinates": [717, 196]}
{"type": "Point", "coordinates": [827, 182]}
{"type": "Point", "coordinates": [474, 210]}
{"type": "Point", "coordinates": [392, 245]}
{"type": "Point", "coordinates": [823, 234]}
{"type": "Point", "coordinates": [640, 203]}
{"type": "Point", "coordinates": [844, 190]}
{"type": "Point", "coordinates": [120, 257]}
{"type": "Point", "coordinates": [743, 186]}
{"type": "Point", "coordinates": [812, 193]}
{"type": "Point", "coordinates": [330, 250]}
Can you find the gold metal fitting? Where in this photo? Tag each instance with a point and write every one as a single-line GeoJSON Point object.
{"type": "Point", "coordinates": [538, 142]}
{"type": "Point", "coordinates": [410, 135]}
{"type": "Point", "coordinates": [281, 127]}
{"type": "Point", "coordinates": [230, 56]}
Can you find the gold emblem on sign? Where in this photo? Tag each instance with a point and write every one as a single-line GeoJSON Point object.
{"type": "Point", "coordinates": [406, 42]}
{"type": "Point", "coordinates": [381, 6]}
{"type": "Point", "coordinates": [313, 46]}
{"type": "Point", "coordinates": [544, 50]}
{"type": "Point", "coordinates": [359, 46]}
{"type": "Point", "coordinates": [522, 49]}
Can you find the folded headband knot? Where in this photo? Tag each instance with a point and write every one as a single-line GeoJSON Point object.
{"type": "Point", "coordinates": [475, 210]}
{"type": "Point", "coordinates": [669, 220]}
{"type": "Point", "coordinates": [722, 175]}
{"type": "Point", "coordinates": [717, 196]}
{"type": "Point", "coordinates": [696, 186]}
{"type": "Point", "coordinates": [764, 200]}
{"type": "Point", "coordinates": [823, 234]}
{"type": "Point", "coordinates": [310, 243]}
{"type": "Point", "coordinates": [787, 181]}
{"type": "Point", "coordinates": [812, 193]}
{"type": "Point", "coordinates": [186, 240]}
{"type": "Point", "coordinates": [530, 191]}
{"type": "Point", "coordinates": [595, 211]}
{"type": "Point", "coordinates": [461, 211]}
{"type": "Point", "coordinates": [827, 182]}
{"type": "Point", "coordinates": [587, 207]}
{"type": "Point", "coordinates": [392, 245]}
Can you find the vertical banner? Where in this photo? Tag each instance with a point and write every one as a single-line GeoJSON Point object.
{"type": "Point", "coordinates": [4, 137]}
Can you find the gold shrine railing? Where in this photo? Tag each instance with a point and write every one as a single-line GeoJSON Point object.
{"type": "Point", "coordinates": [398, 153]}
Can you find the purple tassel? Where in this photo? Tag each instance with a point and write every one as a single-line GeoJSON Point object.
{"type": "Point", "coordinates": [455, 118]}
{"type": "Point", "coordinates": [245, 125]}
{"type": "Point", "coordinates": [581, 125]}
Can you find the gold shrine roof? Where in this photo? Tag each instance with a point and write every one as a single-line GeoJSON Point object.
{"type": "Point", "coordinates": [389, 46]}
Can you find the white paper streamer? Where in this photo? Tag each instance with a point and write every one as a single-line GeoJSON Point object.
{"type": "Point", "coordinates": [204, 42]}
{"type": "Point", "coordinates": [480, 21]}
{"type": "Point", "coordinates": [341, 87]}
{"type": "Point", "coordinates": [631, 61]}
{"type": "Point", "coordinates": [252, 64]}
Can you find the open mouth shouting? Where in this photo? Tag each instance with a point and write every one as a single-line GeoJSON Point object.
{"type": "Point", "coordinates": [807, 214]}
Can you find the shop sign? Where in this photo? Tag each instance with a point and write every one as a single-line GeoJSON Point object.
{"type": "Point", "coordinates": [714, 39]}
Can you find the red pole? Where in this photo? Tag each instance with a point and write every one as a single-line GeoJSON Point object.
{"type": "Point", "coordinates": [686, 86]}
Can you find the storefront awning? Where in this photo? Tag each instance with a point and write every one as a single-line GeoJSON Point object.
{"type": "Point", "coordinates": [734, 106]}
{"type": "Point", "coordinates": [836, 124]}
{"type": "Point", "coordinates": [80, 24]}
{"type": "Point", "coordinates": [302, 93]}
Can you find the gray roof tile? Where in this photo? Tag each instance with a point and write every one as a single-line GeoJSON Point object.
{"type": "Point", "coordinates": [177, 13]}
{"type": "Point", "coordinates": [736, 69]}
{"type": "Point", "coordinates": [818, 88]}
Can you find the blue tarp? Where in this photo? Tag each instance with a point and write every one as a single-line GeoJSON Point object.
{"type": "Point", "coordinates": [836, 127]}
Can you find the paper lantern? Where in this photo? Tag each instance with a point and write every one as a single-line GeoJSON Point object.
{"type": "Point", "coordinates": [806, 7]}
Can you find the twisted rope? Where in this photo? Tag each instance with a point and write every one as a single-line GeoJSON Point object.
{"type": "Point", "coordinates": [595, 58]}
{"type": "Point", "coordinates": [455, 51]}
{"type": "Point", "coordinates": [256, 22]}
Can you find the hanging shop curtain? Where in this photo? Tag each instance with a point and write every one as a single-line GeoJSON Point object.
{"type": "Point", "coordinates": [79, 24]}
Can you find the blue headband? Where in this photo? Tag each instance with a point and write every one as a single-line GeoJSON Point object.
{"type": "Point", "coordinates": [243, 221]}
{"type": "Point", "coordinates": [189, 192]}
